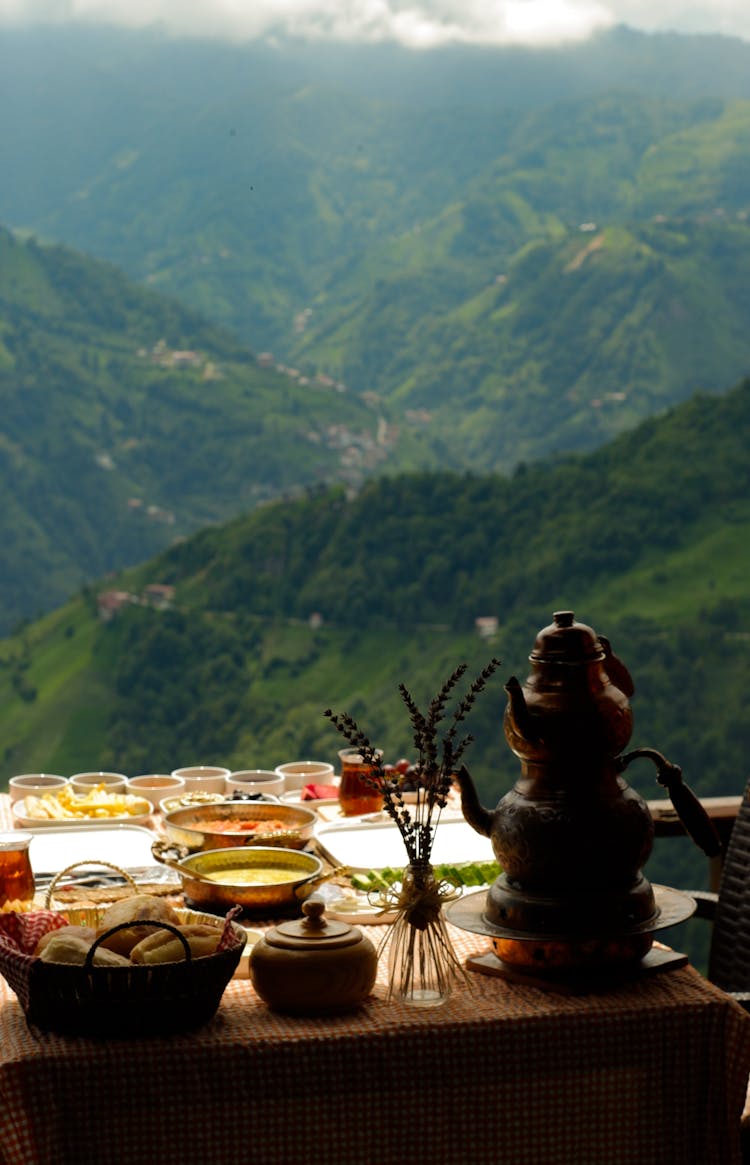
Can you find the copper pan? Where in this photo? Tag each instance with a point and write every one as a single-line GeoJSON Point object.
{"type": "Point", "coordinates": [188, 827]}
{"type": "Point", "coordinates": [301, 873]}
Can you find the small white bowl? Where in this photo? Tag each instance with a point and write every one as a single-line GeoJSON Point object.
{"type": "Point", "coordinates": [298, 773]}
{"type": "Point", "coordinates": [203, 778]}
{"type": "Point", "coordinates": [255, 781]}
{"type": "Point", "coordinates": [83, 783]}
{"type": "Point", "coordinates": [34, 785]}
{"type": "Point", "coordinates": [156, 786]}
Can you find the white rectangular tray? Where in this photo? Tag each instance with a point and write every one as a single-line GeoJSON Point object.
{"type": "Point", "coordinates": [374, 845]}
{"type": "Point", "coordinates": [20, 817]}
{"type": "Point", "coordinates": [126, 846]}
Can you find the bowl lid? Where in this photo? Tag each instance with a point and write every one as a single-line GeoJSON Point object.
{"type": "Point", "coordinates": [314, 931]}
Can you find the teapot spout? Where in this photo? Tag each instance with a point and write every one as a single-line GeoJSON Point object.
{"type": "Point", "coordinates": [518, 717]}
{"type": "Point", "coordinates": [476, 815]}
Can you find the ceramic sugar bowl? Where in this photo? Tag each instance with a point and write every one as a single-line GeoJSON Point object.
{"type": "Point", "coordinates": [313, 965]}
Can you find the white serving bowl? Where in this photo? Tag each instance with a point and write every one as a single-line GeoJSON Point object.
{"type": "Point", "coordinates": [203, 778]}
{"type": "Point", "coordinates": [34, 785]}
{"type": "Point", "coordinates": [298, 773]}
{"type": "Point", "coordinates": [156, 786]}
{"type": "Point", "coordinates": [113, 782]}
{"type": "Point", "coordinates": [254, 781]}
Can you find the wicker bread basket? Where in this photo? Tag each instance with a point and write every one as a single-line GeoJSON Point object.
{"type": "Point", "coordinates": [135, 1000]}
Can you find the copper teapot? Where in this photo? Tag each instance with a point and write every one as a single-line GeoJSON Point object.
{"type": "Point", "coordinates": [571, 836]}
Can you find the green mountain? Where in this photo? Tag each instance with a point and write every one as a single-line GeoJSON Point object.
{"type": "Point", "coordinates": [592, 276]}
{"type": "Point", "coordinates": [516, 253]}
{"type": "Point", "coordinates": [128, 422]}
{"type": "Point", "coordinates": [491, 283]}
{"type": "Point", "coordinates": [330, 601]}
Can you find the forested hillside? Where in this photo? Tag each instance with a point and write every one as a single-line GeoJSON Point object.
{"type": "Point", "coordinates": [329, 601]}
{"type": "Point", "coordinates": [128, 421]}
{"type": "Point", "coordinates": [463, 289]}
{"type": "Point", "coordinates": [592, 275]}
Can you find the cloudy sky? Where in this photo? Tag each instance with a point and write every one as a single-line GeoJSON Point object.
{"type": "Point", "coordinates": [416, 23]}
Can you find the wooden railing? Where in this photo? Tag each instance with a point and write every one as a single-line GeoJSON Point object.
{"type": "Point", "coordinates": [721, 810]}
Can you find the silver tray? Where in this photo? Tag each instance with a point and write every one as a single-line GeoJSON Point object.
{"type": "Point", "coordinates": [127, 846]}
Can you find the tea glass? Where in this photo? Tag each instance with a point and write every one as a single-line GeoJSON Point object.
{"type": "Point", "coordinates": [16, 876]}
{"type": "Point", "coordinates": [356, 794]}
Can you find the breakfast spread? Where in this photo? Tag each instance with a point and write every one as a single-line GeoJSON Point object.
{"type": "Point", "coordinates": [122, 934]}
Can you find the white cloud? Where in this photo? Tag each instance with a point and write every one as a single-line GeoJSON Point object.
{"type": "Point", "coordinates": [730, 17]}
{"type": "Point", "coordinates": [417, 23]}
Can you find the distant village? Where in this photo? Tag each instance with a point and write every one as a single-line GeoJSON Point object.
{"type": "Point", "coordinates": [159, 596]}
{"type": "Point", "coordinates": [358, 451]}
{"type": "Point", "coordinates": [167, 357]}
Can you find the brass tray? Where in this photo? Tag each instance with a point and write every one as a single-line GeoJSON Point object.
{"type": "Point", "coordinates": [468, 913]}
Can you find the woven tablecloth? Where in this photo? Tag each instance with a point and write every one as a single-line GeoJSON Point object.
{"type": "Point", "coordinates": [653, 1072]}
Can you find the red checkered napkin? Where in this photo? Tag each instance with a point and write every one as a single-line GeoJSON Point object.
{"type": "Point", "coordinates": [229, 937]}
{"type": "Point", "coordinates": [20, 933]}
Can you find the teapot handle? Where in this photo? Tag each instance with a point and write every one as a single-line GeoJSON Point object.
{"type": "Point", "coordinates": [615, 669]}
{"type": "Point", "coordinates": [689, 809]}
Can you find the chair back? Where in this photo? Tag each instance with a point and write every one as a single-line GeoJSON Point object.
{"type": "Point", "coordinates": [729, 956]}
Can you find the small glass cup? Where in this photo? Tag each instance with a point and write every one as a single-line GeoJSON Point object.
{"type": "Point", "coordinates": [16, 876]}
{"type": "Point", "coordinates": [356, 794]}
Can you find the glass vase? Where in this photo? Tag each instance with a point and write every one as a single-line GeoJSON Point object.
{"type": "Point", "coordinates": [422, 965]}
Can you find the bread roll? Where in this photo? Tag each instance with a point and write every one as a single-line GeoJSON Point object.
{"type": "Point", "coordinates": [105, 958]}
{"type": "Point", "coordinates": [85, 932]}
{"type": "Point", "coordinates": [64, 947]}
{"type": "Point", "coordinates": [164, 947]}
{"type": "Point", "coordinates": [139, 908]}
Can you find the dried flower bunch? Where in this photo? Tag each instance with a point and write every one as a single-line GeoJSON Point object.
{"type": "Point", "coordinates": [437, 760]}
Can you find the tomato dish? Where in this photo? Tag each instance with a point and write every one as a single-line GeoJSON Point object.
{"type": "Point", "coordinates": [239, 825]}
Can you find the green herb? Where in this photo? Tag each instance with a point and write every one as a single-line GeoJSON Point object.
{"type": "Point", "coordinates": [459, 874]}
